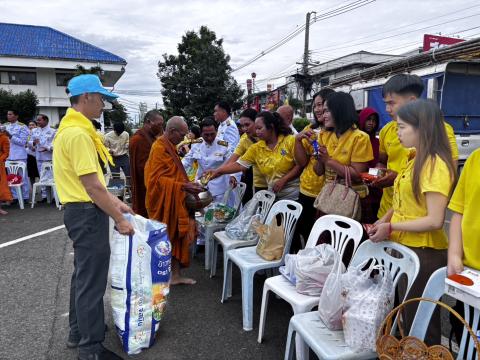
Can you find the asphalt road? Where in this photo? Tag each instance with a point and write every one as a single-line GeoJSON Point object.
{"type": "Point", "coordinates": [34, 295]}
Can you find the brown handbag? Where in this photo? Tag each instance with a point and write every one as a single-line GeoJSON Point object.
{"type": "Point", "coordinates": [410, 347]}
{"type": "Point", "coordinates": [339, 199]}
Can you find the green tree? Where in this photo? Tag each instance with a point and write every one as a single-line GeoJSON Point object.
{"type": "Point", "coordinates": [24, 102]}
{"type": "Point", "coordinates": [118, 113]}
{"type": "Point", "coordinates": [198, 76]}
{"type": "Point", "coordinates": [80, 70]}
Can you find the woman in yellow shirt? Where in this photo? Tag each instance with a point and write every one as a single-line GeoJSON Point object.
{"type": "Point", "coordinates": [310, 182]}
{"type": "Point", "coordinates": [420, 196]}
{"type": "Point", "coordinates": [274, 156]}
{"type": "Point", "coordinates": [252, 177]}
{"type": "Point", "coordinates": [342, 144]}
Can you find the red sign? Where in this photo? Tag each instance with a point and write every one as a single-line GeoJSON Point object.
{"type": "Point", "coordinates": [437, 41]}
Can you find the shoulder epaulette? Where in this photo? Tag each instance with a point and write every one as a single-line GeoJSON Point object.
{"type": "Point", "coordinates": [197, 141]}
{"type": "Point", "coordinates": [222, 142]}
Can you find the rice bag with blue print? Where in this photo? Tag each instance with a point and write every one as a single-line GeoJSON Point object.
{"type": "Point", "coordinates": [140, 267]}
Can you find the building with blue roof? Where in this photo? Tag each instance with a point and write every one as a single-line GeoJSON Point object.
{"type": "Point", "coordinates": [43, 59]}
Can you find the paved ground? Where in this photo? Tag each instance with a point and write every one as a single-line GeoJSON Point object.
{"type": "Point", "coordinates": [34, 295]}
{"type": "Point", "coordinates": [34, 304]}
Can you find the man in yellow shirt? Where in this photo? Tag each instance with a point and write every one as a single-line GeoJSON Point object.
{"type": "Point", "coordinates": [397, 91]}
{"type": "Point", "coordinates": [81, 188]}
{"type": "Point", "coordinates": [464, 239]}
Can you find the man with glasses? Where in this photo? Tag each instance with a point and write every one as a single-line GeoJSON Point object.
{"type": "Point", "coordinates": [167, 186]}
{"type": "Point", "coordinates": [81, 188]}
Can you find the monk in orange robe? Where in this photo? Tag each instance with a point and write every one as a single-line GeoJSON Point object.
{"type": "Point", "coordinates": [167, 185]}
{"type": "Point", "coordinates": [140, 144]}
{"type": "Point", "coordinates": [5, 194]}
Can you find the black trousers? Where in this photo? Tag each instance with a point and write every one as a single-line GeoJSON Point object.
{"type": "Point", "coordinates": [121, 162]}
{"type": "Point", "coordinates": [88, 229]}
{"type": "Point", "coordinates": [305, 222]}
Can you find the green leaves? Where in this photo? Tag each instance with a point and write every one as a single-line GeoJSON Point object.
{"type": "Point", "coordinates": [24, 102]}
{"type": "Point", "coordinates": [195, 79]}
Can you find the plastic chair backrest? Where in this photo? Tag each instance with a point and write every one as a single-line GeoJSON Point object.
{"type": "Point", "coordinates": [434, 289]}
{"type": "Point", "coordinates": [16, 167]}
{"type": "Point", "coordinates": [46, 172]}
{"type": "Point", "coordinates": [290, 212]}
{"type": "Point", "coordinates": [343, 230]}
{"type": "Point", "coordinates": [405, 260]}
{"type": "Point", "coordinates": [265, 200]}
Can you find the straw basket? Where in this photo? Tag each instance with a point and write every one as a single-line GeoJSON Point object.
{"type": "Point", "coordinates": [410, 347]}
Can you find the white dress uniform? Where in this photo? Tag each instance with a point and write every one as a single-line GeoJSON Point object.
{"type": "Point", "coordinates": [210, 157]}
{"type": "Point", "coordinates": [18, 152]}
{"type": "Point", "coordinates": [228, 131]}
{"type": "Point", "coordinates": [43, 150]}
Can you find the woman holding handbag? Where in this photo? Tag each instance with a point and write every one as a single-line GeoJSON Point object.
{"type": "Point", "coordinates": [420, 198]}
{"type": "Point", "coordinates": [344, 152]}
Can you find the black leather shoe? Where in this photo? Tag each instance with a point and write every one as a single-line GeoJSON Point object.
{"type": "Point", "coordinates": [103, 354]}
{"type": "Point", "coordinates": [73, 340]}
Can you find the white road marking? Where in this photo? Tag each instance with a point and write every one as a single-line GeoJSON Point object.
{"type": "Point", "coordinates": [28, 237]}
{"type": "Point", "coordinates": [65, 315]}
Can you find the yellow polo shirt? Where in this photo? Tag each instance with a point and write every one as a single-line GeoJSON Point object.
{"type": "Point", "coordinates": [435, 177]}
{"type": "Point", "coordinates": [310, 183]}
{"type": "Point", "coordinates": [398, 157]}
{"type": "Point", "coordinates": [352, 146]}
{"type": "Point", "coordinates": [465, 200]}
{"type": "Point", "coordinates": [242, 147]}
{"type": "Point", "coordinates": [274, 163]}
{"type": "Point", "coordinates": [74, 155]}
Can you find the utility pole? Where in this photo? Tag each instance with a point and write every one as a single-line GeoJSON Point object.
{"type": "Point", "coordinates": [306, 80]}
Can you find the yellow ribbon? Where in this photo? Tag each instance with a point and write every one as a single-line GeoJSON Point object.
{"type": "Point", "coordinates": [74, 118]}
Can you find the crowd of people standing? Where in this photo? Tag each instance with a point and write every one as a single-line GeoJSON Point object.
{"type": "Point", "coordinates": [406, 203]}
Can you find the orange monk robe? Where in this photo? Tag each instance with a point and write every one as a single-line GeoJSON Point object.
{"type": "Point", "coordinates": [139, 148]}
{"type": "Point", "coordinates": [165, 201]}
{"type": "Point", "coordinates": [5, 194]}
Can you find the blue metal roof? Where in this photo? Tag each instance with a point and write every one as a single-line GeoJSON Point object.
{"type": "Point", "coordinates": [46, 43]}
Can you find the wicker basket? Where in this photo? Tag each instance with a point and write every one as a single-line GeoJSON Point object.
{"type": "Point", "coordinates": [410, 347]}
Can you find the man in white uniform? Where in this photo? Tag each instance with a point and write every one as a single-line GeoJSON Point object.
{"type": "Point", "coordinates": [18, 134]}
{"type": "Point", "coordinates": [209, 154]}
{"type": "Point", "coordinates": [227, 129]}
{"type": "Point", "coordinates": [41, 141]}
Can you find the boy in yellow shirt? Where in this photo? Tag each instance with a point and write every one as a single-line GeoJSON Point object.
{"type": "Point", "coordinates": [398, 91]}
{"type": "Point", "coordinates": [464, 238]}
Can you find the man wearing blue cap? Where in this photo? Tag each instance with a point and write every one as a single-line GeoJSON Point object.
{"type": "Point", "coordinates": [81, 188]}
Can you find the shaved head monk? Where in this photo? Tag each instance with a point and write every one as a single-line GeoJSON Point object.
{"type": "Point", "coordinates": [167, 185]}
{"type": "Point", "coordinates": [140, 144]}
{"type": "Point", "coordinates": [286, 113]}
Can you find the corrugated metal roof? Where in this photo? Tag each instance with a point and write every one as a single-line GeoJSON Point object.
{"type": "Point", "coordinates": [46, 43]}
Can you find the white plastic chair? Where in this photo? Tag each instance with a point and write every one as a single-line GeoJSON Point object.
{"type": "Point", "coordinates": [265, 200]}
{"type": "Point", "coordinates": [209, 229]}
{"type": "Point", "coordinates": [46, 182]}
{"type": "Point", "coordinates": [249, 262]}
{"type": "Point", "coordinates": [434, 289]}
{"type": "Point", "coordinates": [327, 344]}
{"type": "Point", "coordinates": [343, 231]}
{"type": "Point", "coordinates": [17, 168]}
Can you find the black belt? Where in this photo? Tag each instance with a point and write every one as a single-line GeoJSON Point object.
{"type": "Point", "coordinates": [80, 205]}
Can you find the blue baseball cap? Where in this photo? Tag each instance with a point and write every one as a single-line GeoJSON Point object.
{"type": "Point", "coordinates": [88, 83]}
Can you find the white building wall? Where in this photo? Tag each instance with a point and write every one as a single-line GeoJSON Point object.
{"type": "Point", "coordinates": [51, 96]}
